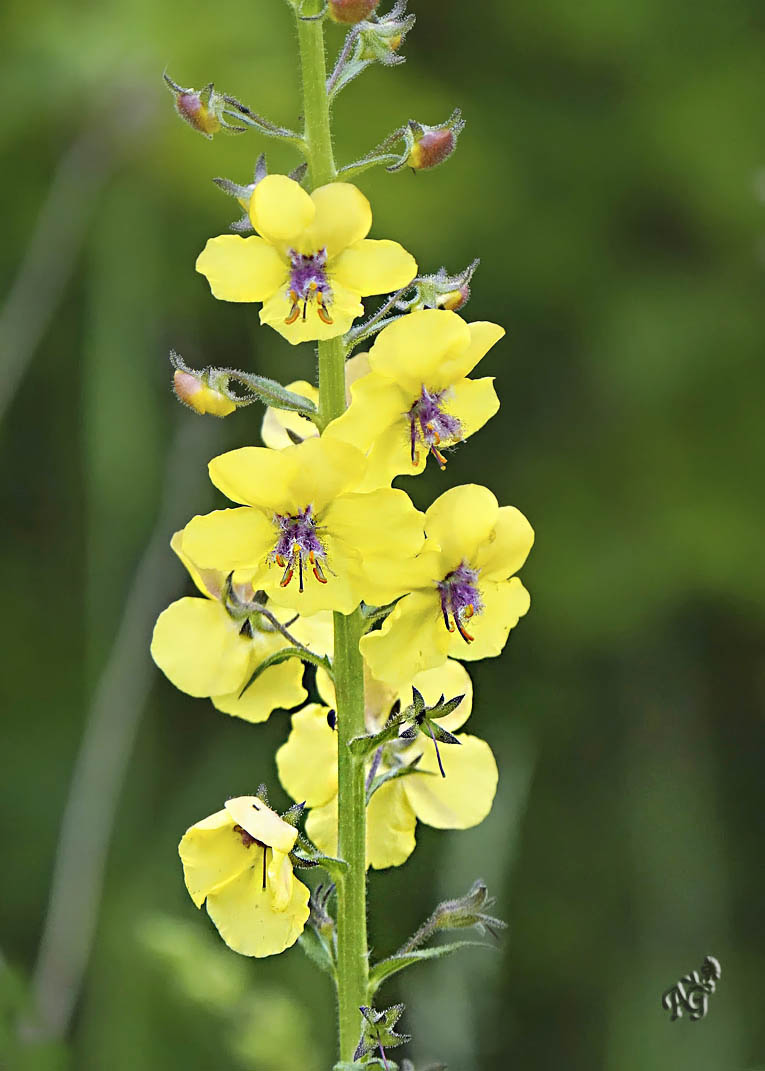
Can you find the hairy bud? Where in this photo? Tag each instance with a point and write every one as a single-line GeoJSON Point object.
{"type": "Point", "coordinates": [204, 109]}
{"type": "Point", "coordinates": [432, 145]}
{"type": "Point", "coordinates": [191, 389]}
{"type": "Point", "coordinates": [350, 12]}
{"type": "Point", "coordinates": [440, 291]}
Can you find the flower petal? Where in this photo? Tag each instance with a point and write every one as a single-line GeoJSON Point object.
{"type": "Point", "coordinates": [414, 349]}
{"type": "Point", "coordinates": [255, 476]}
{"type": "Point", "coordinates": [483, 335]}
{"type": "Point", "coordinates": [209, 581]}
{"type": "Point", "coordinates": [391, 824]}
{"type": "Point", "coordinates": [411, 639]}
{"type": "Point", "coordinates": [273, 431]}
{"type": "Point", "coordinates": [382, 522]}
{"type": "Point", "coordinates": [343, 217]}
{"type": "Point", "coordinates": [341, 592]}
{"type": "Point", "coordinates": [241, 269]}
{"type": "Point", "coordinates": [212, 855]}
{"type": "Point", "coordinates": [390, 827]}
{"type": "Point", "coordinates": [374, 266]}
{"type": "Point", "coordinates": [247, 920]}
{"type": "Point", "coordinates": [343, 308]}
{"type": "Point", "coordinates": [473, 402]}
{"type": "Point", "coordinates": [503, 604]}
{"type": "Point", "coordinates": [376, 403]}
{"type": "Point", "coordinates": [464, 797]}
{"type": "Point", "coordinates": [280, 210]}
{"type": "Point", "coordinates": [506, 552]}
{"type": "Point", "coordinates": [324, 469]}
{"type": "Point", "coordinates": [460, 520]}
{"type": "Point", "coordinates": [198, 647]}
{"type": "Point", "coordinates": [229, 539]}
{"type": "Point", "coordinates": [252, 814]}
{"type": "Point", "coordinates": [307, 761]}
{"type": "Point", "coordinates": [278, 687]}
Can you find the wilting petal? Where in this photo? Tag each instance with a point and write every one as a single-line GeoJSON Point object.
{"type": "Point", "coordinates": [280, 210]}
{"type": "Point", "coordinates": [374, 267]}
{"type": "Point", "coordinates": [507, 551]}
{"type": "Point", "coordinates": [343, 217]}
{"type": "Point", "coordinates": [460, 520]}
{"type": "Point", "coordinates": [307, 761]}
{"type": "Point", "coordinates": [198, 647]}
{"type": "Point", "coordinates": [252, 814]}
{"type": "Point", "coordinates": [464, 797]}
{"type": "Point", "coordinates": [212, 854]}
{"type": "Point", "coordinates": [503, 604]}
{"type": "Point", "coordinates": [241, 269]}
{"type": "Point", "coordinates": [247, 920]}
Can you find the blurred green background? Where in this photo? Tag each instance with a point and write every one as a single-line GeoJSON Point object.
{"type": "Point", "coordinates": [612, 180]}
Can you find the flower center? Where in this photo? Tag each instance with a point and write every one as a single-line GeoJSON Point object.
{"type": "Point", "coordinates": [297, 544]}
{"type": "Point", "coordinates": [309, 282]}
{"type": "Point", "coordinates": [460, 599]}
{"type": "Point", "coordinates": [248, 840]}
{"type": "Point", "coordinates": [431, 425]}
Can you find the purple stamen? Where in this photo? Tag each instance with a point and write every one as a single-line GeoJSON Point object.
{"type": "Point", "coordinates": [297, 543]}
{"type": "Point", "coordinates": [308, 282]}
{"type": "Point", "coordinates": [460, 599]}
{"type": "Point", "coordinates": [432, 425]}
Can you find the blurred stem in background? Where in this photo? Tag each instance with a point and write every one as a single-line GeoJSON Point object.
{"type": "Point", "coordinates": [50, 257]}
{"type": "Point", "coordinates": [107, 743]}
{"type": "Point", "coordinates": [352, 952]}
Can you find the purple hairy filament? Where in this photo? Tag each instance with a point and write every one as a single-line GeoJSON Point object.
{"type": "Point", "coordinates": [460, 599]}
{"type": "Point", "coordinates": [308, 283]}
{"type": "Point", "coordinates": [248, 840]}
{"type": "Point", "coordinates": [297, 545]}
{"type": "Point", "coordinates": [430, 424]}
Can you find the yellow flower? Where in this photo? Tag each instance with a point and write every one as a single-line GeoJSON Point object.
{"type": "Point", "coordinates": [278, 423]}
{"type": "Point", "coordinates": [206, 647]}
{"type": "Point", "coordinates": [463, 597]}
{"type": "Point", "coordinates": [417, 399]}
{"type": "Point", "coordinates": [310, 263]}
{"type": "Point", "coordinates": [238, 861]}
{"type": "Point", "coordinates": [307, 765]}
{"type": "Point", "coordinates": [303, 534]}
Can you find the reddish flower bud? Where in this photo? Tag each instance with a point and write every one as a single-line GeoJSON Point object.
{"type": "Point", "coordinates": [432, 149]}
{"type": "Point", "coordinates": [453, 300]}
{"type": "Point", "coordinates": [350, 12]}
{"type": "Point", "coordinates": [192, 108]}
{"type": "Point", "coordinates": [191, 389]}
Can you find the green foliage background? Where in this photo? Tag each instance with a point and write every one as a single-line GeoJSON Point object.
{"type": "Point", "coordinates": [612, 179]}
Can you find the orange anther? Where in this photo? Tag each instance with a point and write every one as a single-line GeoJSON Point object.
{"type": "Point", "coordinates": [324, 315]}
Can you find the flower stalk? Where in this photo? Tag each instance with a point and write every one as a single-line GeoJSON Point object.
{"type": "Point", "coordinates": [352, 953]}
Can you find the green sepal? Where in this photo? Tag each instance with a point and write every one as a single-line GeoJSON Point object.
{"type": "Point", "coordinates": [282, 656]}
{"type": "Point", "coordinates": [316, 950]}
{"type": "Point", "coordinates": [395, 772]}
{"type": "Point", "coordinates": [386, 968]}
{"type": "Point", "coordinates": [362, 747]}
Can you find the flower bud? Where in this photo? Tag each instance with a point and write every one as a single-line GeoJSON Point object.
{"type": "Point", "coordinates": [204, 109]}
{"type": "Point", "coordinates": [191, 389]}
{"type": "Point", "coordinates": [350, 12]}
{"type": "Point", "coordinates": [379, 41]}
{"type": "Point", "coordinates": [440, 291]}
{"type": "Point", "coordinates": [431, 145]}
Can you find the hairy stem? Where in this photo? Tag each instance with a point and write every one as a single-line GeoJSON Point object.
{"type": "Point", "coordinates": [352, 955]}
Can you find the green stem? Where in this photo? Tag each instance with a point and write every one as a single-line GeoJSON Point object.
{"type": "Point", "coordinates": [352, 953]}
